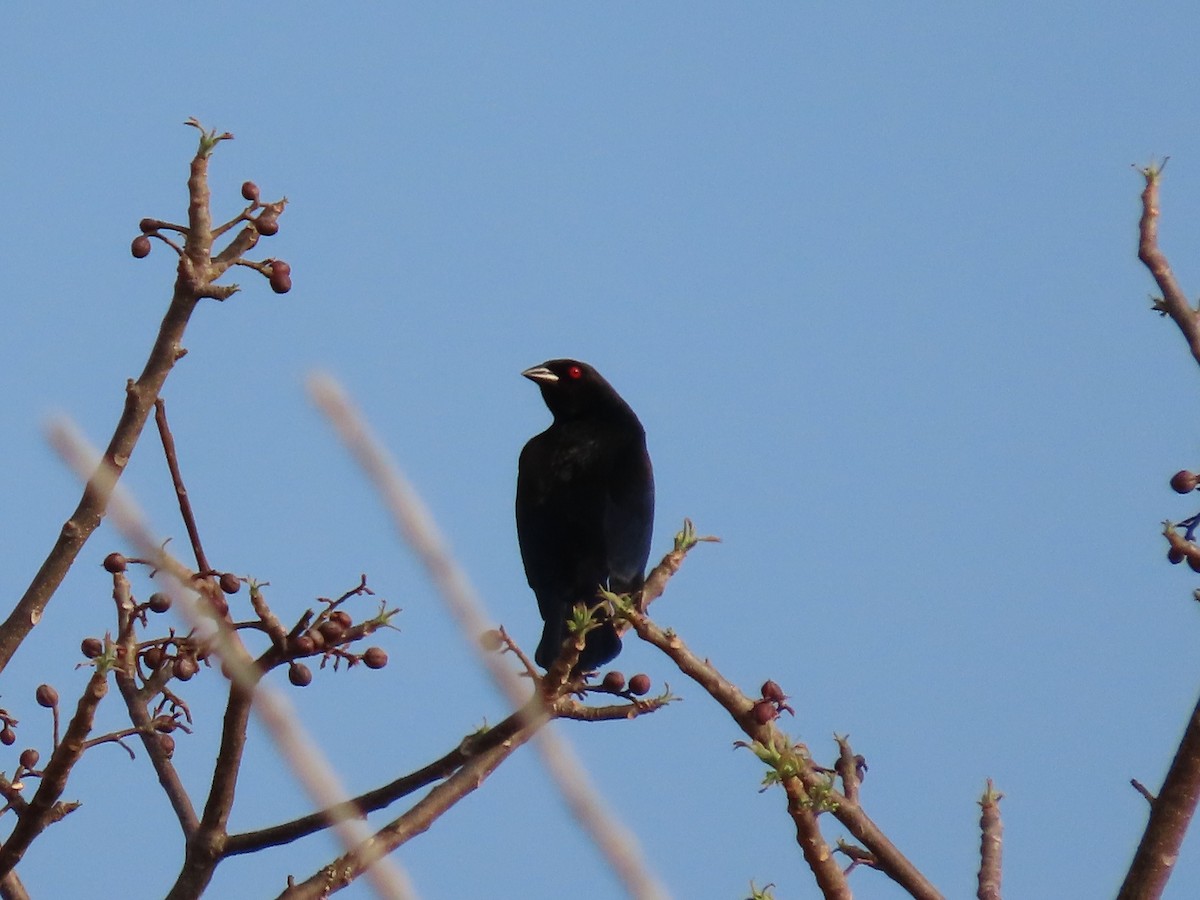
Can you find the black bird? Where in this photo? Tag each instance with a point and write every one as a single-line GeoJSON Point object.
{"type": "Point", "coordinates": [585, 505]}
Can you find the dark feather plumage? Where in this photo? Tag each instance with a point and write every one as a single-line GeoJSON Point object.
{"type": "Point", "coordinates": [585, 504]}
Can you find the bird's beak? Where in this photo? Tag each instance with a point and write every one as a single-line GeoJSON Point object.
{"type": "Point", "coordinates": [541, 375]}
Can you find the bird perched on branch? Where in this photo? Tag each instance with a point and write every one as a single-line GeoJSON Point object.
{"type": "Point", "coordinates": [585, 505]}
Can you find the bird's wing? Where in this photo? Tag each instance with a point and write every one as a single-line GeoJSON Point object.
{"type": "Point", "coordinates": [629, 518]}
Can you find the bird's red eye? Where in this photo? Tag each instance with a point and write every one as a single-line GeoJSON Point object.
{"type": "Point", "coordinates": [575, 373]}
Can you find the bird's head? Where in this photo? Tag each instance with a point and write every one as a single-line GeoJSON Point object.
{"type": "Point", "coordinates": [572, 388]}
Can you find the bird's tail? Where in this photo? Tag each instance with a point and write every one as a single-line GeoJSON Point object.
{"type": "Point", "coordinates": [602, 645]}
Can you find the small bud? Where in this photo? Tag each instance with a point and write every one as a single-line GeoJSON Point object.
{"type": "Point", "coordinates": [159, 602]}
{"type": "Point", "coordinates": [168, 744]}
{"type": "Point", "coordinates": [8, 737]}
{"type": "Point", "coordinates": [491, 640]}
{"type": "Point", "coordinates": [29, 758]}
{"type": "Point", "coordinates": [186, 668]}
{"type": "Point", "coordinates": [772, 691]}
{"type": "Point", "coordinates": [613, 681]}
{"type": "Point", "coordinates": [165, 724]}
{"type": "Point", "coordinates": [115, 563]}
{"type": "Point", "coordinates": [341, 617]}
{"type": "Point", "coordinates": [267, 224]}
{"type": "Point", "coordinates": [91, 647]}
{"type": "Point", "coordinates": [46, 696]}
{"type": "Point", "coordinates": [1184, 482]}
{"type": "Point", "coordinates": [148, 225]}
{"type": "Point", "coordinates": [303, 645]}
{"type": "Point", "coordinates": [331, 631]}
{"type": "Point", "coordinates": [250, 191]}
{"type": "Point", "coordinates": [140, 248]}
{"type": "Point", "coordinates": [639, 684]}
{"type": "Point", "coordinates": [375, 658]}
{"type": "Point", "coordinates": [153, 657]}
{"type": "Point", "coordinates": [1175, 556]}
{"type": "Point", "coordinates": [230, 583]}
{"type": "Point", "coordinates": [764, 712]}
{"type": "Point", "coordinates": [299, 674]}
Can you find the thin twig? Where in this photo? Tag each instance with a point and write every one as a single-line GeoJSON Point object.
{"type": "Point", "coordinates": [416, 525]}
{"type": "Point", "coordinates": [185, 505]}
{"type": "Point", "coordinates": [11, 888]}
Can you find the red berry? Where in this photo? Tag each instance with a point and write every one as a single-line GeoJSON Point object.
{"type": "Point", "coordinates": [168, 744]}
{"type": "Point", "coordinates": [299, 674]}
{"type": "Point", "coordinates": [1183, 481]}
{"type": "Point", "coordinates": [772, 691]}
{"type": "Point", "coordinates": [140, 248]}
{"type": "Point", "coordinates": [341, 617]}
{"type": "Point", "coordinates": [331, 631]}
{"type": "Point", "coordinates": [267, 224]}
{"type": "Point", "coordinates": [185, 668]}
{"type": "Point", "coordinates": [148, 225]}
{"type": "Point", "coordinates": [230, 583]}
{"type": "Point", "coordinates": [375, 658]}
{"type": "Point", "coordinates": [8, 737]}
{"type": "Point", "coordinates": [115, 563]}
{"type": "Point", "coordinates": [29, 758]}
{"type": "Point", "coordinates": [159, 602]}
{"type": "Point", "coordinates": [613, 681]}
{"type": "Point", "coordinates": [46, 696]}
{"type": "Point", "coordinates": [153, 657]}
{"type": "Point", "coordinates": [639, 684]}
{"type": "Point", "coordinates": [250, 191]}
{"type": "Point", "coordinates": [91, 647]}
{"type": "Point", "coordinates": [303, 645]}
{"type": "Point", "coordinates": [280, 283]}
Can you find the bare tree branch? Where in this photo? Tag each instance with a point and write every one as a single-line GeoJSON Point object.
{"type": "Point", "coordinates": [991, 835]}
{"type": "Point", "coordinates": [416, 525]}
{"type": "Point", "coordinates": [44, 808]}
{"type": "Point", "coordinates": [1171, 812]}
{"type": "Point", "coordinates": [806, 788]}
{"type": "Point", "coordinates": [305, 760]}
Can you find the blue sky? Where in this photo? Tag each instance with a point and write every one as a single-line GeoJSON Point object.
{"type": "Point", "coordinates": [868, 278]}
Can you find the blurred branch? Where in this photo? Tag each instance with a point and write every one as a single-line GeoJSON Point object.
{"type": "Point", "coordinates": [345, 869]}
{"type": "Point", "coordinates": [417, 527]}
{"type": "Point", "coordinates": [469, 747]}
{"type": "Point", "coordinates": [317, 776]}
{"type": "Point", "coordinates": [11, 888]}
